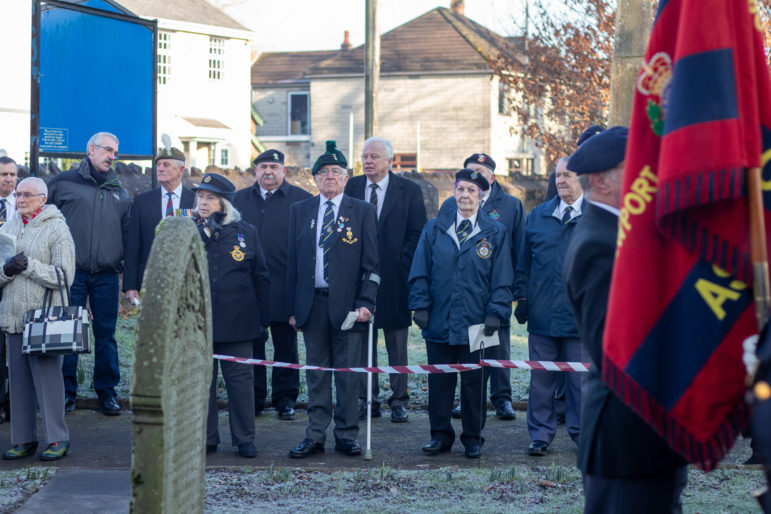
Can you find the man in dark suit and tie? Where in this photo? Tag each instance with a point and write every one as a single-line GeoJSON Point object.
{"type": "Point", "coordinates": [266, 206]}
{"type": "Point", "coordinates": [507, 210]}
{"type": "Point", "coordinates": [626, 466]}
{"type": "Point", "coordinates": [332, 270]}
{"type": "Point", "coordinates": [148, 209]}
{"type": "Point", "coordinates": [401, 215]}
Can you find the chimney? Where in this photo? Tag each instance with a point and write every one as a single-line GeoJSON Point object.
{"type": "Point", "coordinates": [346, 43]}
{"type": "Point", "coordinates": [457, 6]}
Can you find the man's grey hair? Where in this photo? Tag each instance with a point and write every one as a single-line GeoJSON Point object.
{"type": "Point", "coordinates": [562, 160]}
{"type": "Point", "coordinates": [389, 148]}
{"type": "Point", "coordinates": [38, 183]}
{"type": "Point", "coordinates": [98, 138]}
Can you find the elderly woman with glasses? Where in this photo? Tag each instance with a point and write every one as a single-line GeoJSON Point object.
{"type": "Point", "coordinates": [240, 285]}
{"type": "Point", "coordinates": [44, 243]}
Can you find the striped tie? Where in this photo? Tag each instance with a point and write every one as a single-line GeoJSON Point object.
{"type": "Point", "coordinates": [325, 241]}
{"type": "Point", "coordinates": [373, 195]}
{"type": "Point", "coordinates": [3, 212]}
{"type": "Point", "coordinates": [170, 205]}
{"type": "Point", "coordinates": [463, 231]}
{"type": "Point", "coordinates": [566, 217]}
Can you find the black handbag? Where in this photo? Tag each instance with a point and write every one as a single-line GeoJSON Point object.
{"type": "Point", "coordinates": [56, 330]}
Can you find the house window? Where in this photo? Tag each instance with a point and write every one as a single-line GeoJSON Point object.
{"type": "Point", "coordinates": [405, 161]}
{"type": "Point", "coordinates": [299, 110]}
{"type": "Point", "coordinates": [504, 102]}
{"type": "Point", "coordinates": [216, 58]}
{"type": "Point", "coordinates": [224, 158]}
{"type": "Point", "coordinates": [521, 165]}
{"type": "Point", "coordinates": [164, 59]}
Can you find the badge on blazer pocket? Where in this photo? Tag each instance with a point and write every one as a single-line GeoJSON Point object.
{"type": "Point", "coordinates": [484, 249]}
{"type": "Point", "coordinates": [349, 239]}
{"type": "Point", "coordinates": [237, 254]}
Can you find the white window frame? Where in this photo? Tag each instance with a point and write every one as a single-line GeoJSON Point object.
{"type": "Point", "coordinates": [224, 157]}
{"type": "Point", "coordinates": [164, 57]}
{"type": "Point", "coordinates": [307, 95]}
{"type": "Point", "coordinates": [216, 59]}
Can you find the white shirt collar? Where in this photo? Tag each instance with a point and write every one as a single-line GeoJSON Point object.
{"type": "Point", "coordinates": [336, 201]}
{"type": "Point", "coordinates": [382, 184]}
{"type": "Point", "coordinates": [263, 192]}
{"type": "Point", "coordinates": [472, 219]}
{"type": "Point", "coordinates": [177, 192]}
{"type": "Point", "coordinates": [576, 206]}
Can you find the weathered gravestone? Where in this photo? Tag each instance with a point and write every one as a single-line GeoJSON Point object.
{"type": "Point", "coordinates": [172, 374]}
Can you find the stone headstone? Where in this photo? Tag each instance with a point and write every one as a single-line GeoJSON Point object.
{"type": "Point", "coordinates": [172, 374]}
{"type": "Point", "coordinates": [430, 193]}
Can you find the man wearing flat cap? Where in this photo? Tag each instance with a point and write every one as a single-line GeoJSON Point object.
{"type": "Point", "coordinates": [461, 277]}
{"type": "Point", "coordinates": [148, 209]}
{"type": "Point", "coordinates": [266, 206]}
{"type": "Point", "coordinates": [626, 466]}
{"type": "Point", "coordinates": [332, 280]}
{"type": "Point", "coordinates": [507, 210]}
{"type": "Point", "coordinates": [542, 303]}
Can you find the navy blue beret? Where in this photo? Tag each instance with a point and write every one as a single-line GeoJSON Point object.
{"type": "Point", "coordinates": [589, 132]}
{"type": "Point", "coordinates": [601, 152]}
{"type": "Point", "coordinates": [481, 158]}
{"type": "Point", "coordinates": [474, 177]}
{"type": "Point", "coordinates": [269, 156]}
{"type": "Point", "coordinates": [218, 185]}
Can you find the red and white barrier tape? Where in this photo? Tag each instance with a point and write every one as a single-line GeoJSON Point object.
{"type": "Point", "coordinates": [423, 368]}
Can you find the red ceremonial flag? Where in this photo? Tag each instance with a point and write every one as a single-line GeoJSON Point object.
{"type": "Point", "coordinates": [681, 299]}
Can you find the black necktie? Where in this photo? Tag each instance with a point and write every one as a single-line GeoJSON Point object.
{"type": "Point", "coordinates": [463, 230]}
{"type": "Point", "coordinates": [373, 195]}
{"type": "Point", "coordinates": [268, 195]}
{"type": "Point", "coordinates": [325, 240]}
{"type": "Point", "coordinates": [566, 216]}
{"type": "Point", "coordinates": [3, 212]}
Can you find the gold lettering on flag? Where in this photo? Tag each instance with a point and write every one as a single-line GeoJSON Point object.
{"type": "Point", "coordinates": [636, 200]}
{"type": "Point", "coordinates": [715, 295]}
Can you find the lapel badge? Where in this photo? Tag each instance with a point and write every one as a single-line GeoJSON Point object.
{"type": "Point", "coordinates": [349, 239]}
{"type": "Point", "coordinates": [495, 214]}
{"type": "Point", "coordinates": [484, 249]}
{"type": "Point", "coordinates": [237, 254]}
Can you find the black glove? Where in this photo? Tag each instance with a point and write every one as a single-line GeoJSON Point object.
{"type": "Point", "coordinates": [491, 325]}
{"type": "Point", "coordinates": [420, 318]}
{"type": "Point", "coordinates": [521, 311]}
{"type": "Point", "coordinates": [15, 265]}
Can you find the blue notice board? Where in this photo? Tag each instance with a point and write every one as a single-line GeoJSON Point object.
{"type": "Point", "coordinates": [96, 74]}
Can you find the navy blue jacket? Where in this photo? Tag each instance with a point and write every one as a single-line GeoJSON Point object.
{"type": "Point", "coordinates": [460, 287]}
{"type": "Point", "coordinates": [272, 221]}
{"type": "Point", "coordinates": [539, 271]}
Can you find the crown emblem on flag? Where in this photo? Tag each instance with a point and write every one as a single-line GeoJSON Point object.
{"type": "Point", "coordinates": [656, 75]}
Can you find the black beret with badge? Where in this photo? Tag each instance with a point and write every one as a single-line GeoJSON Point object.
{"type": "Point", "coordinates": [589, 132]}
{"type": "Point", "coordinates": [331, 156]}
{"type": "Point", "coordinates": [269, 156]}
{"type": "Point", "coordinates": [600, 152]}
{"type": "Point", "coordinates": [169, 152]}
{"type": "Point", "coordinates": [480, 158]}
{"type": "Point", "coordinates": [218, 185]}
{"type": "Point", "coordinates": [474, 177]}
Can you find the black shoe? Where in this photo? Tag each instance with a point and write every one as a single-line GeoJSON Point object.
{"type": "Point", "coordinates": [434, 447]}
{"type": "Point", "coordinates": [560, 418]}
{"type": "Point", "coordinates": [455, 413]}
{"type": "Point", "coordinates": [399, 414]}
{"type": "Point", "coordinates": [259, 409]}
{"type": "Point", "coordinates": [538, 448]}
{"type": "Point", "coordinates": [286, 413]}
{"type": "Point", "coordinates": [247, 450]}
{"type": "Point", "coordinates": [473, 451]}
{"type": "Point", "coordinates": [69, 405]}
{"type": "Point", "coordinates": [211, 448]}
{"type": "Point", "coordinates": [504, 411]}
{"type": "Point", "coordinates": [108, 406]}
{"type": "Point", "coordinates": [376, 413]}
{"type": "Point", "coordinates": [306, 449]}
{"type": "Point", "coordinates": [347, 447]}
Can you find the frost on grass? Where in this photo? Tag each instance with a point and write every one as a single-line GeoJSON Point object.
{"type": "Point", "coordinates": [18, 485]}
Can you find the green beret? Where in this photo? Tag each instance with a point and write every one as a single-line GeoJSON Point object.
{"type": "Point", "coordinates": [331, 156]}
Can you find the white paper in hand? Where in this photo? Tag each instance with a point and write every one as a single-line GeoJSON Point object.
{"type": "Point", "coordinates": [7, 247]}
{"type": "Point", "coordinates": [350, 319]}
{"type": "Point", "coordinates": [476, 336]}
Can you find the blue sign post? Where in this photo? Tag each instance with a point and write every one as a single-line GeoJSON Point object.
{"type": "Point", "coordinates": [93, 69]}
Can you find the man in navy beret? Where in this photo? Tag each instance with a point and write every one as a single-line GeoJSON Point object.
{"type": "Point", "coordinates": [265, 205]}
{"type": "Point", "coordinates": [621, 458]}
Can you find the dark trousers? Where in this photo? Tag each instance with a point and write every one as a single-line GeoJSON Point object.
{"type": "Point", "coordinates": [633, 495]}
{"type": "Point", "coordinates": [240, 387]}
{"type": "Point", "coordinates": [500, 378]}
{"type": "Point", "coordinates": [441, 392]}
{"type": "Point", "coordinates": [5, 397]}
{"type": "Point", "coordinates": [328, 346]}
{"type": "Point", "coordinates": [284, 382]}
{"type": "Point", "coordinates": [396, 345]}
{"type": "Point", "coordinates": [101, 290]}
{"type": "Point", "coordinates": [541, 412]}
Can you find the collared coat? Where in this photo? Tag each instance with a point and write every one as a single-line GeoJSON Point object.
{"type": "Point", "coordinates": [539, 271]}
{"type": "Point", "coordinates": [272, 221]}
{"type": "Point", "coordinates": [353, 261]}
{"type": "Point", "coordinates": [460, 286]}
{"type": "Point", "coordinates": [145, 216]}
{"type": "Point", "coordinates": [399, 225]}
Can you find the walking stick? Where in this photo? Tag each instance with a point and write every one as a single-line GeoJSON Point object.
{"type": "Point", "coordinates": [368, 451]}
{"type": "Point", "coordinates": [758, 250]}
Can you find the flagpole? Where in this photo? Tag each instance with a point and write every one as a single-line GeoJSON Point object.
{"type": "Point", "coordinates": [758, 247]}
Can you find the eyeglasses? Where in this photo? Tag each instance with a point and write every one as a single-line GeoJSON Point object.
{"type": "Point", "coordinates": [336, 172]}
{"type": "Point", "coordinates": [27, 195]}
{"type": "Point", "coordinates": [109, 150]}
